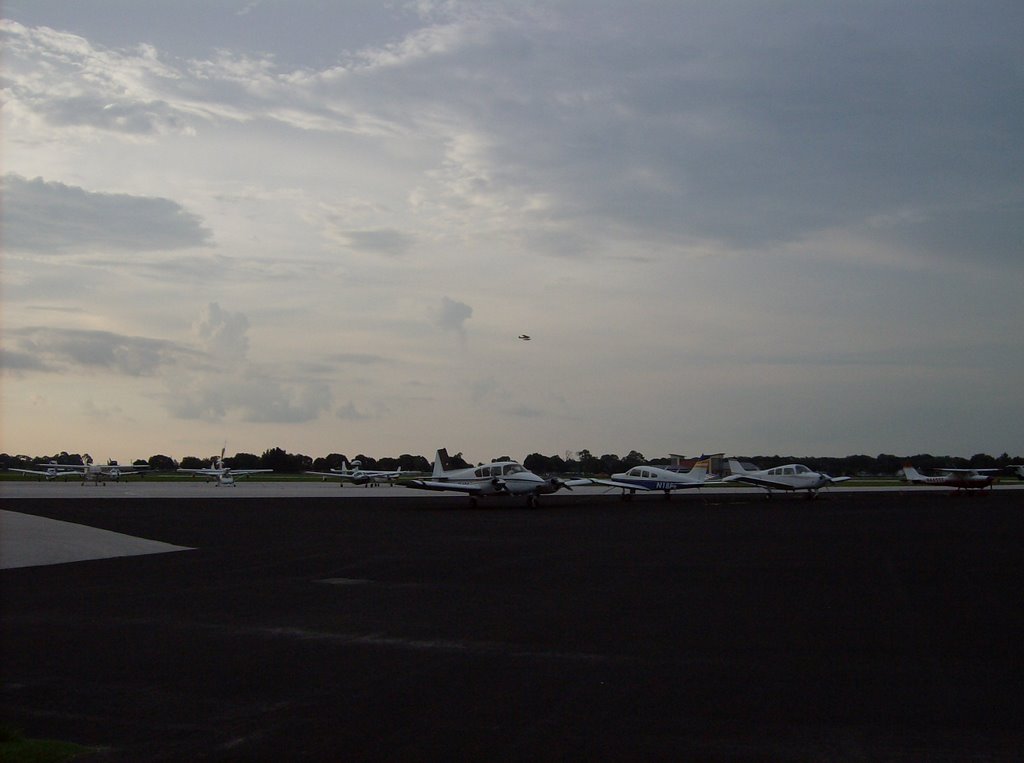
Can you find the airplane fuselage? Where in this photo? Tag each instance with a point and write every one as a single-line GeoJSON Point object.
{"type": "Point", "coordinates": [654, 478]}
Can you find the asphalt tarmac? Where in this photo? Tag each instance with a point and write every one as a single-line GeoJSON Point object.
{"type": "Point", "coordinates": [862, 626]}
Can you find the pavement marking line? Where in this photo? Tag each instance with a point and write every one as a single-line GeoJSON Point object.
{"type": "Point", "coordinates": [30, 541]}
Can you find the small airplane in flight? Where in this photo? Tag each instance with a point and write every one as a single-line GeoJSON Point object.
{"type": "Point", "coordinates": [961, 479]}
{"type": "Point", "coordinates": [648, 478]}
{"type": "Point", "coordinates": [355, 474]}
{"type": "Point", "coordinates": [53, 471]}
{"type": "Point", "coordinates": [787, 477]}
{"type": "Point", "coordinates": [498, 478]}
{"type": "Point", "coordinates": [525, 337]}
{"type": "Point", "coordinates": [221, 474]}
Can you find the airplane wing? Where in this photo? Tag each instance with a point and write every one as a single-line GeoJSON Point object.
{"type": "Point", "coordinates": [968, 471]}
{"type": "Point", "coordinates": [332, 475]}
{"type": "Point", "coordinates": [459, 487]}
{"type": "Point", "coordinates": [204, 472]}
{"type": "Point", "coordinates": [839, 479]}
{"type": "Point", "coordinates": [247, 472]}
{"type": "Point", "coordinates": [758, 482]}
{"type": "Point", "coordinates": [611, 483]}
{"type": "Point", "coordinates": [62, 471]}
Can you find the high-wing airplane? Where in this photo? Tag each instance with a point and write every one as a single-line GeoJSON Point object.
{"type": "Point", "coordinates": [53, 471]}
{"type": "Point", "coordinates": [221, 474]}
{"type": "Point", "coordinates": [101, 473]}
{"type": "Point", "coordinates": [961, 479]}
{"type": "Point", "coordinates": [496, 478]}
{"type": "Point", "coordinates": [788, 477]}
{"type": "Point", "coordinates": [356, 474]}
{"type": "Point", "coordinates": [649, 478]}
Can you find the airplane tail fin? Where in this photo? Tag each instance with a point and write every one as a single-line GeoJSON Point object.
{"type": "Point", "coordinates": [911, 473]}
{"type": "Point", "coordinates": [440, 462]}
{"type": "Point", "coordinates": [735, 467]}
{"type": "Point", "coordinates": [699, 472]}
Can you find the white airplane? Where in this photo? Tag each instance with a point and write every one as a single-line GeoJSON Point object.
{"type": "Point", "coordinates": [496, 478]}
{"type": "Point", "coordinates": [788, 477]}
{"type": "Point", "coordinates": [1018, 469]}
{"type": "Point", "coordinates": [221, 474]}
{"type": "Point", "coordinates": [53, 471]}
{"type": "Point", "coordinates": [356, 474]}
{"type": "Point", "coordinates": [102, 473]}
{"type": "Point", "coordinates": [961, 479]}
{"type": "Point", "coordinates": [655, 478]}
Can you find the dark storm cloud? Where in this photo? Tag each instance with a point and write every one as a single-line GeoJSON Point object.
{"type": "Point", "coordinates": [751, 123]}
{"type": "Point", "coordinates": [53, 218]}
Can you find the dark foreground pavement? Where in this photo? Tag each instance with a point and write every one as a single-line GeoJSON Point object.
{"type": "Point", "coordinates": [861, 627]}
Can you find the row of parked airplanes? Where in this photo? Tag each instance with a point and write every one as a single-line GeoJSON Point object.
{"type": "Point", "coordinates": [511, 478]}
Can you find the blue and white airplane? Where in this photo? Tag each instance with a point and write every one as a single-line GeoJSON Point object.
{"type": "Point", "coordinates": [498, 478]}
{"type": "Point", "coordinates": [653, 478]}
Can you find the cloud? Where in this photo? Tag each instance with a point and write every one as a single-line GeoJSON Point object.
{"type": "Point", "coordinates": [349, 412]}
{"type": "Point", "coordinates": [356, 358]}
{"type": "Point", "coordinates": [223, 334]}
{"type": "Point", "coordinates": [252, 394]}
{"type": "Point", "coordinates": [230, 384]}
{"type": "Point", "coordinates": [453, 315]}
{"type": "Point", "coordinates": [13, 360]}
{"type": "Point", "coordinates": [387, 241]}
{"type": "Point", "coordinates": [55, 349]}
{"type": "Point", "coordinates": [53, 218]}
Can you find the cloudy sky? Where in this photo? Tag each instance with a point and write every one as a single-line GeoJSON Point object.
{"type": "Point", "coordinates": [753, 227]}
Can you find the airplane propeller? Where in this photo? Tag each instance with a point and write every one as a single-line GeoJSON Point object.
{"type": "Point", "coordinates": [557, 484]}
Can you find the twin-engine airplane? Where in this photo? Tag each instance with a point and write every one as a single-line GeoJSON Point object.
{"type": "Point", "coordinates": [788, 477]}
{"type": "Point", "coordinates": [648, 478]}
{"type": "Point", "coordinates": [496, 478]}
{"type": "Point", "coordinates": [221, 474]}
{"type": "Point", "coordinates": [961, 479]}
{"type": "Point", "coordinates": [356, 474]}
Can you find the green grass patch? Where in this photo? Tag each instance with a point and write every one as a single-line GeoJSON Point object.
{"type": "Point", "coordinates": [17, 748]}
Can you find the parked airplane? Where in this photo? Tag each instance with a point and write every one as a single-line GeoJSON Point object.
{"type": "Point", "coordinates": [495, 478]}
{"type": "Point", "coordinates": [101, 473]}
{"type": "Point", "coordinates": [356, 474]}
{"type": "Point", "coordinates": [52, 471]}
{"type": "Point", "coordinates": [788, 477]}
{"type": "Point", "coordinates": [221, 474]}
{"type": "Point", "coordinates": [648, 478]}
{"type": "Point", "coordinates": [961, 479]}
{"type": "Point", "coordinates": [1018, 469]}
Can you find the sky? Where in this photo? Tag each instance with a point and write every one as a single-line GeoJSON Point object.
{"type": "Point", "coordinates": [751, 227]}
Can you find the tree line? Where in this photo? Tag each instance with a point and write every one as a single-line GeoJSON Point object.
{"type": "Point", "coordinates": [581, 462]}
